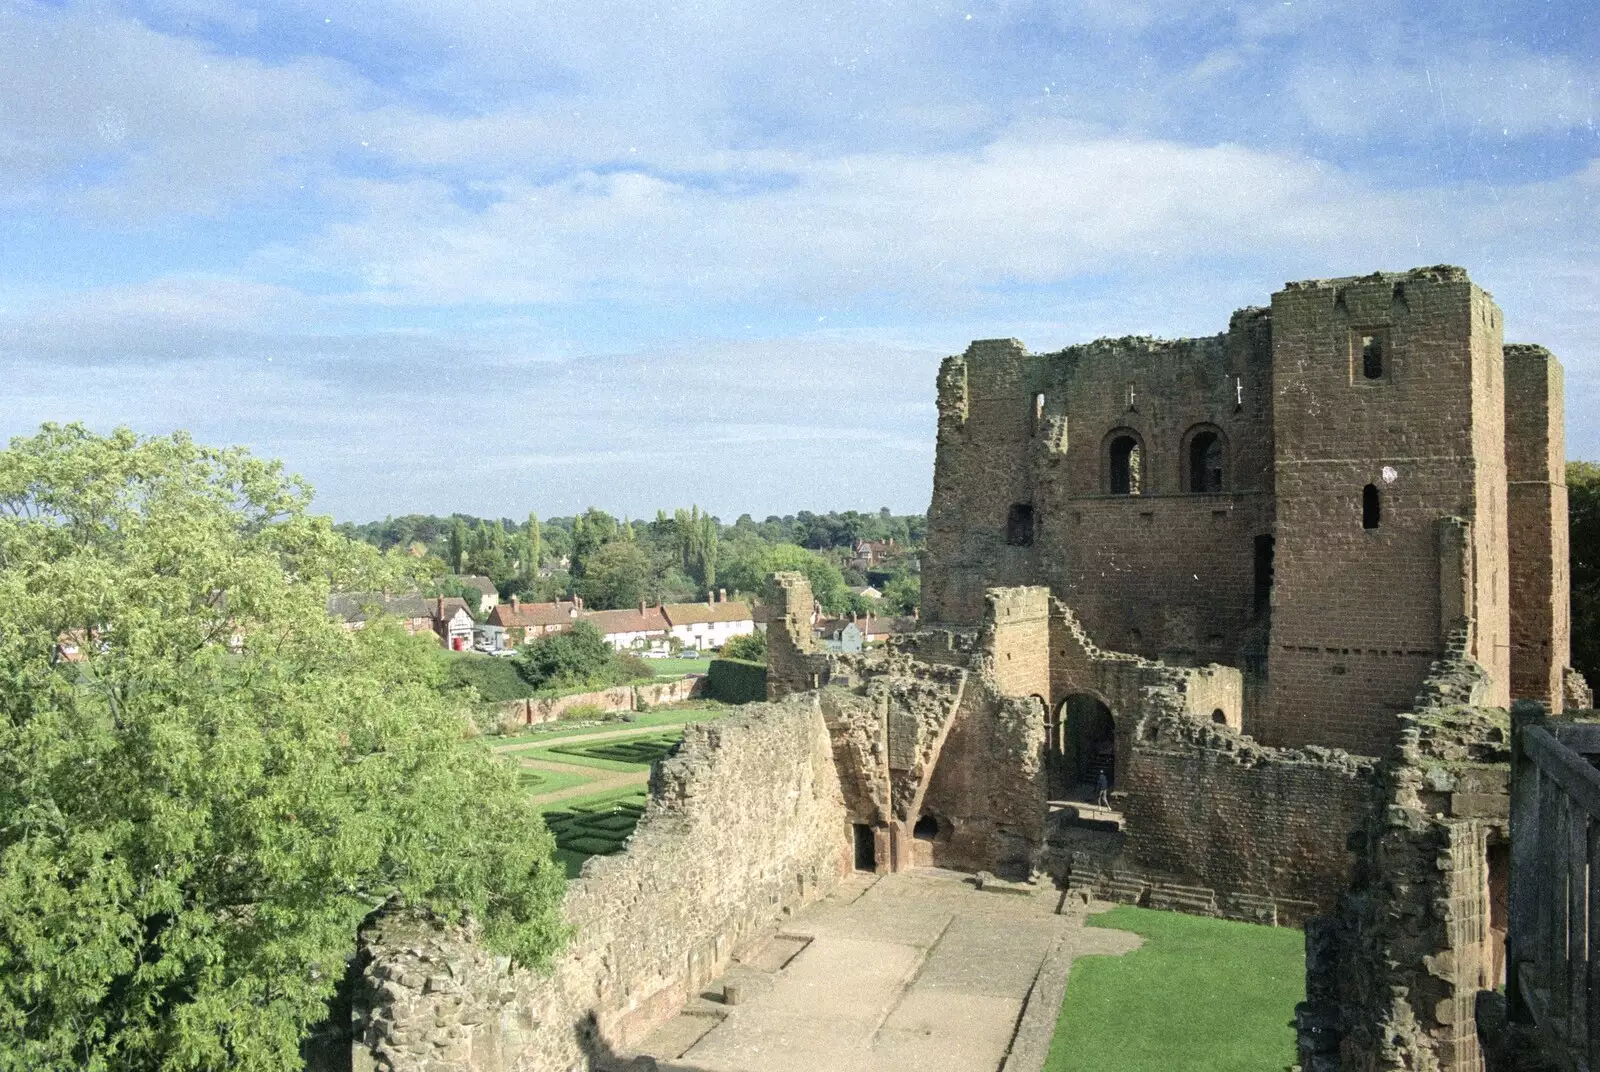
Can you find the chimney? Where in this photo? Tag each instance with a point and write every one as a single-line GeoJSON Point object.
{"type": "Point", "coordinates": [916, 614]}
{"type": "Point", "coordinates": [722, 595]}
{"type": "Point", "coordinates": [641, 608]}
{"type": "Point", "coordinates": [513, 604]}
{"type": "Point", "coordinates": [439, 611]}
{"type": "Point", "coordinates": [711, 597]}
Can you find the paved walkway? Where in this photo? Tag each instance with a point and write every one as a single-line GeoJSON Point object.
{"type": "Point", "coordinates": [919, 970]}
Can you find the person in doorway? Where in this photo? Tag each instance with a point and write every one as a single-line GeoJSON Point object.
{"type": "Point", "coordinates": [1102, 790]}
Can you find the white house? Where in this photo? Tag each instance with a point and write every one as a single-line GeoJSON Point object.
{"type": "Point", "coordinates": [708, 624]}
{"type": "Point", "coordinates": [627, 630]}
{"type": "Point", "coordinates": [453, 623]}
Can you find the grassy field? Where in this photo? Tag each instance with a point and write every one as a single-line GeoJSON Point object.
{"type": "Point", "coordinates": [1203, 995]}
{"type": "Point", "coordinates": [669, 668]}
{"type": "Point", "coordinates": [542, 736]}
{"type": "Point", "coordinates": [542, 781]}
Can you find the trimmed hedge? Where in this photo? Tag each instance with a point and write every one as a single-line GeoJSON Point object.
{"type": "Point", "coordinates": [736, 681]}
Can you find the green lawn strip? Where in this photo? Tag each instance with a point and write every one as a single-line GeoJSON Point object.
{"type": "Point", "coordinates": [671, 668]}
{"type": "Point", "coordinates": [627, 796]}
{"type": "Point", "coordinates": [546, 781]}
{"type": "Point", "coordinates": [643, 749]}
{"type": "Point", "coordinates": [596, 825]}
{"type": "Point", "coordinates": [545, 735]}
{"type": "Point", "coordinates": [1205, 995]}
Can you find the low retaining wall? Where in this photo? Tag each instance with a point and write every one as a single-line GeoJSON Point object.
{"type": "Point", "coordinates": [744, 823]}
{"type": "Point", "coordinates": [537, 709]}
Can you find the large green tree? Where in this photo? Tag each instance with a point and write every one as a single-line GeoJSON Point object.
{"type": "Point", "coordinates": [205, 782]}
{"type": "Point", "coordinates": [1583, 505]}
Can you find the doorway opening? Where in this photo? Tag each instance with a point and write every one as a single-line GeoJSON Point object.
{"type": "Point", "coordinates": [866, 848]}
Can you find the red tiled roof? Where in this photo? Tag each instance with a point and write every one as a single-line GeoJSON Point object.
{"type": "Point", "coordinates": [690, 613]}
{"type": "Point", "coordinates": [530, 614]}
{"type": "Point", "coordinates": [610, 622]}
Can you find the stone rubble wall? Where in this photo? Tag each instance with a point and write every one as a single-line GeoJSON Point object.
{"type": "Point", "coordinates": [745, 823]}
{"type": "Point", "coordinates": [1394, 973]}
{"type": "Point", "coordinates": [535, 710]}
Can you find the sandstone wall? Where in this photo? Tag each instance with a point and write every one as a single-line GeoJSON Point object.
{"type": "Point", "coordinates": [1356, 618]}
{"type": "Point", "coordinates": [745, 822]}
{"type": "Point", "coordinates": [1262, 830]}
{"type": "Point", "coordinates": [535, 710]}
{"type": "Point", "coordinates": [1536, 498]}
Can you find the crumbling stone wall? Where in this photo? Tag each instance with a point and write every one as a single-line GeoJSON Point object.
{"type": "Point", "coordinates": [1392, 976]}
{"type": "Point", "coordinates": [745, 822]}
{"type": "Point", "coordinates": [795, 661]}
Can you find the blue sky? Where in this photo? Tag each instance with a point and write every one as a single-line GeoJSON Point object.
{"type": "Point", "coordinates": [514, 256]}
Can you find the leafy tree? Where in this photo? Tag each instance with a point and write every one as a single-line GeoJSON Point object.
{"type": "Point", "coordinates": [616, 575]}
{"type": "Point", "coordinates": [749, 646]}
{"type": "Point", "coordinates": [577, 658]}
{"type": "Point", "coordinates": [533, 554]}
{"type": "Point", "coordinates": [751, 562]}
{"type": "Point", "coordinates": [458, 547]}
{"type": "Point", "coordinates": [1583, 505]}
{"type": "Point", "coordinates": [903, 593]}
{"type": "Point", "coordinates": [196, 814]}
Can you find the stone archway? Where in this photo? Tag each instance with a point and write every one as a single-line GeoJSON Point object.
{"type": "Point", "coordinates": [1088, 742]}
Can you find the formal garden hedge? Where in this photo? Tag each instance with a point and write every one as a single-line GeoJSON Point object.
{"type": "Point", "coordinates": [736, 681]}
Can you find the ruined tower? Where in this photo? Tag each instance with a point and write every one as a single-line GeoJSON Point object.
{"type": "Point", "coordinates": [1322, 496]}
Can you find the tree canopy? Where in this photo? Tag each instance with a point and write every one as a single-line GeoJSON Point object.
{"type": "Point", "coordinates": [205, 782]}
{"type": "Point", "coordinates": [1583, 506]}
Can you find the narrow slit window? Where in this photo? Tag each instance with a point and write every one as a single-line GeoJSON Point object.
{"type": "Point", "coordinates": [1125, 465]}
{"type": "Point", "coordinates": [1372, 357]}
{"type": "Point", "coordinates": [1371, 508]}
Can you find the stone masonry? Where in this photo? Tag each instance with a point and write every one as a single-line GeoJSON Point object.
{"type": "Point", "coordinates": [1298, 497]}
{"type": "Point", "coordinates": [745, 824]}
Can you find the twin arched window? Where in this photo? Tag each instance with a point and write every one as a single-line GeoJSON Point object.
{"type": "Point", "coordinates": [1205, 461]}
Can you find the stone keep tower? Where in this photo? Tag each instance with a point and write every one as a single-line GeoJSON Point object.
{"type": "Point", "coordinates": [1327, 495]}
{"type": "Point", "coordinates": [1389, 426]}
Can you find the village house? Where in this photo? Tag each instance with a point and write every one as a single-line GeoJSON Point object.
{"type": "Point", "coordinates": [513, 624]}
{"type": "Point", "coordinates": [489, 596]}
{"type": "Point", "coordinates": [709, 624]}
{"type": "Point", "coordinates": [870, 554]}
{"type": "Point", "coordinates": [453, 623]}
{"type": "Point", "coordinates": [634, 628]}
{"type": "Point", "coordinates": [355, 609]}
{"type": "Point", "coordinates": [865, 591]}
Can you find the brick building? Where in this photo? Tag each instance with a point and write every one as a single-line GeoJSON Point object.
{"type": "Point", "coordinates": [1319, 496]}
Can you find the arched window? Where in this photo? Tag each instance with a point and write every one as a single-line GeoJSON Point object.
{"type": "Point", "coordinates": [1125, 470]}
{"type": "Point", "coordinates": [1205, 460]}
{"type": "Point", "coordinates": [1371, 509]}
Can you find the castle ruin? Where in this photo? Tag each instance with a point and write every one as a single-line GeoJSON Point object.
{"type": "Point", "coordinates": [1276, 588]}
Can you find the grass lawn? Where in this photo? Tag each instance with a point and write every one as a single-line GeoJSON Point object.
{"type": "Point", "coordinates": [543, 735]}
{"type": "Point", "coordinates": [1203, 995]}
{"type": "Point", "coordinates": [666, 668]}
{"type": "Point", "coordinates": [593, 826]}
{"type": "Point", "coordinates": [543, 781]}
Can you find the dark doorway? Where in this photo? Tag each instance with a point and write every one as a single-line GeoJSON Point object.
{"type": "Point", "coordinates": [927, 828]}
{"type": "Point", "coordinates": [1371, 508]}
{"type": "Point", "coordinates": [1090, 741]}
{"type": "Point", "coordinates": [866, 848]}
{"type": "Point", "coordinates": [1019, 525]}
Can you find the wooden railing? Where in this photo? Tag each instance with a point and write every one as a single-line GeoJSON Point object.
{"type": "Point", "coordinates": [1553, 939]}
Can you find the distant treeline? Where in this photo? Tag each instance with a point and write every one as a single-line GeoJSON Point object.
{"type": "Point", "coordinates": [675, 557]}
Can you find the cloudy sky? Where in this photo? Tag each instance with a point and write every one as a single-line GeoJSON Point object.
{"type": "Point", "coordinates": [514, 255]}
